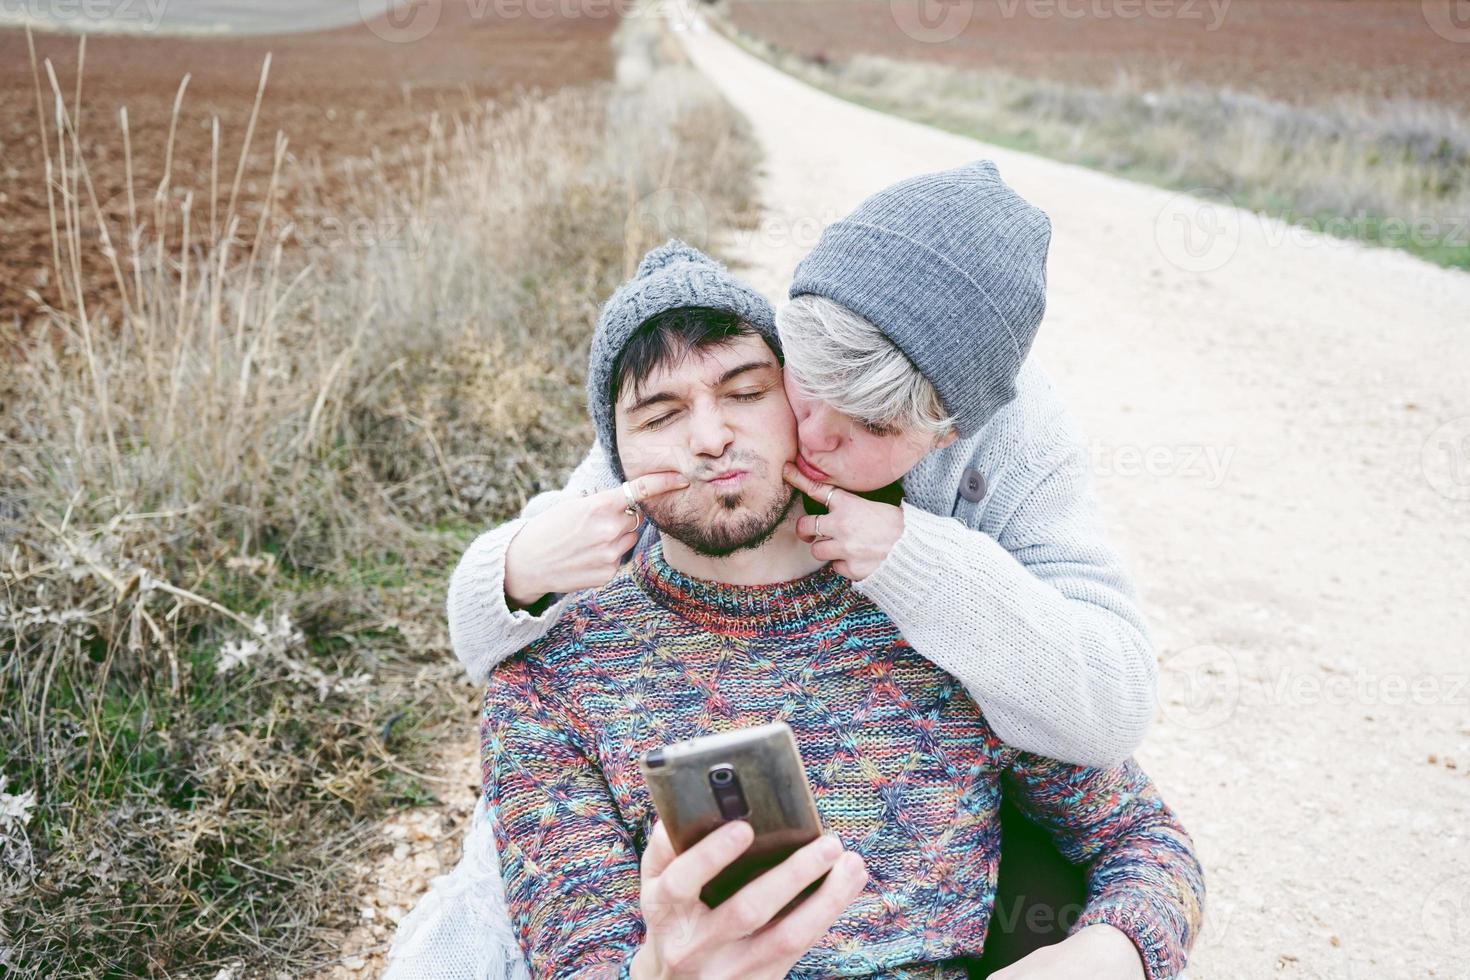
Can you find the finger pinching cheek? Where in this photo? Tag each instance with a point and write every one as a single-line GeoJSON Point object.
{"type": "Point", "coordinates": [656, 456]}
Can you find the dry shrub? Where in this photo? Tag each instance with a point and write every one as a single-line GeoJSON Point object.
{"type": "Point", "coordinates": [231, 506]}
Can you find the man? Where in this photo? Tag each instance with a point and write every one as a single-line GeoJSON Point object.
{"type": "Point", "coordinates": [727, 620]}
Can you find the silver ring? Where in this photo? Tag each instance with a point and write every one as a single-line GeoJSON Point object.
{"type": "Point", "coordinates": [817, 527]}
{"type": "Point", "coordinates": [828, 502]}
{"type": "Point", "coordinates": [632, 507]}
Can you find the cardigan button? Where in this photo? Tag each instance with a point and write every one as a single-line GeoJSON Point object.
{"type": "Point", "coordinates": [972, 486]}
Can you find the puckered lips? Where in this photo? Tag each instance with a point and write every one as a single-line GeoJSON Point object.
{"type": "Point", "coordinates": [809, 471]}
{"type": "Point", "coordinates": [727, 479]}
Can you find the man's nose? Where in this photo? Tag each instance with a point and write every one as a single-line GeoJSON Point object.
{"type": "Point", "coordinates": [821, 428]}
{"type": "Point", "coordinates": [710, 433]}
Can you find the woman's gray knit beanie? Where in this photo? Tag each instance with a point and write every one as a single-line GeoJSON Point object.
{"type": "Point", "coordinates": [671, 276]}
{"type": "Point", "coordinates": [951, 267]}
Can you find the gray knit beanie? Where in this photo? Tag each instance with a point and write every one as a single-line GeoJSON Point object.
{"type": "Point", "coordinates": [671, 276]}
{"type": "Point", "coordinates": [951, 267]}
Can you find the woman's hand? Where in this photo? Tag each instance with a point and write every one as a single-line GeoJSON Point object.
{"type": "Point", "coordinates": [579, 543]}
{"type": "Point", "coordinates": [856, 534]}
{"type": "Point", "coordinates": [738, 939]}
{"type": "Point", "coordinates": [1099, 952]}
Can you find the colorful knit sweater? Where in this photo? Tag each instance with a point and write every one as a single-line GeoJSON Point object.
{"type": "Point", "coordinates": [903, 766]}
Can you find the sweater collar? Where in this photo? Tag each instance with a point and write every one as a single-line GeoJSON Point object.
{"type": "Point", "coordinates": [741, 610]}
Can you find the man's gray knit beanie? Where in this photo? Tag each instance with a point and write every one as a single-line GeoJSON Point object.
{"type": "Point", "coordinates": [671, 276]}
{"type": "Point", "coordinates": [951, 267]}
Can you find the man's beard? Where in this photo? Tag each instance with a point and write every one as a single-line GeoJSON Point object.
{"type": "Point", "coordinates": [706, 535]}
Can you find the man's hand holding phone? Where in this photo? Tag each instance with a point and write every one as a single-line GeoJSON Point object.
{"type": "Point", "coordinates": [739, 937]}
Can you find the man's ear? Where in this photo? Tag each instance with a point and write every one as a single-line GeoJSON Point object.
{"type": "Point", "coordinates": [947, 438]}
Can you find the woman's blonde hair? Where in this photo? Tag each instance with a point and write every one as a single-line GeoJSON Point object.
{"type": "Point", "coordinates": [845, 361]}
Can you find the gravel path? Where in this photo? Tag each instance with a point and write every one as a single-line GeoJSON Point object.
{"type": "Point", "coordinates": [1281, 427]}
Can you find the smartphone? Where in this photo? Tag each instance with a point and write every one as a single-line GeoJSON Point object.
{"type": "Point", "coordinates": [753, 774]}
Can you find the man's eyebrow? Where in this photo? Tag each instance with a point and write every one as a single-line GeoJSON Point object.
{"type": "Point", "coordinates": [668, 396]}
{"type": "Point", "coordinates": [653, 399]}
{"type": "Point", "coordinates": [734, 372]}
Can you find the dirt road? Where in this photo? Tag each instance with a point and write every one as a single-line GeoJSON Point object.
{"type": "Point", "coordinates": [1281, 426]}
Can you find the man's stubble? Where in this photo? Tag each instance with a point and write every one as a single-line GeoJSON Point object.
{"type": "Point", "coordinates": [706, 535]}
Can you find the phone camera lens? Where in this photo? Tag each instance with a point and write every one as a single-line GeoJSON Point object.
{"type": "Point", "coordinates": [725, 785]}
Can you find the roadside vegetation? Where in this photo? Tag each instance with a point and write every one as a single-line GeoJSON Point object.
{"type": "Point", "coordinates": [1395, 174]}
{"type": "Point", "coordinates": [231, 500]}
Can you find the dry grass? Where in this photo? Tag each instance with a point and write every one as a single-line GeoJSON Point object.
{"type": "Point", "coordinates": [1389, 173]}
{"type": "Point", "coordinates": [230, 512]}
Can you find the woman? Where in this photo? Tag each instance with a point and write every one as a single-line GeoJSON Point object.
{"type": "Point", "coordinates": [905, 346]}
{"type": "Point", "coordinates": [952, 488]}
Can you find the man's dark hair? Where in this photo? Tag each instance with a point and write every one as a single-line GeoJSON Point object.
{"type": "Point", "coordinates": [668, 337]}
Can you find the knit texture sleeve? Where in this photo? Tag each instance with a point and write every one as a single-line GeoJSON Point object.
{"type": "Point", "coordinates": [1035, 615]}
{"type": "Point", "coordinates": [569, 864]}
{"type": "Point", "coordinates": [1143, 877]}
{"type": "Point", "coordinates": [483, 629]}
